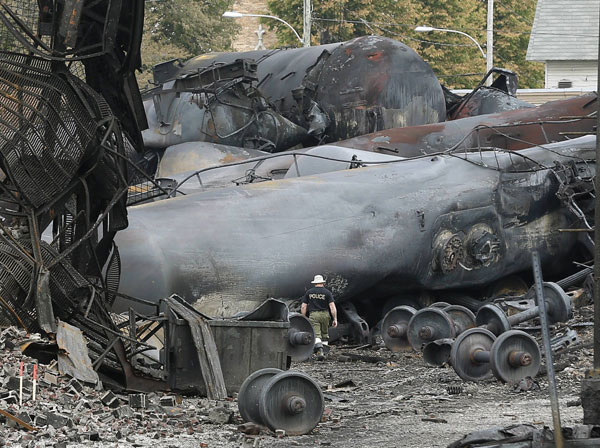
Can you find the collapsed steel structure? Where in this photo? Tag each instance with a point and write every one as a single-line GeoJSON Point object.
{"type": "Point", "coordinates": [63, 154]}
{"type": "Point", "coordinates": [65, 160]}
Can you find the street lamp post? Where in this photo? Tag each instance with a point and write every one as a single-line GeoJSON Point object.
{"type": "Point", "coordinates": [489, 62]}
{"type": "Point", "coordinates": [236, 15]}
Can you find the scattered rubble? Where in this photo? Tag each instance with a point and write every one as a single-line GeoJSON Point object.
{"type": "Point", "coordinates": [67, 411]}
{"type": "Point", "coordinates": [365, 402]}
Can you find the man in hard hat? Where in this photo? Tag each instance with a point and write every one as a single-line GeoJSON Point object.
{"type": "Point", "coordinates": [318, 303]}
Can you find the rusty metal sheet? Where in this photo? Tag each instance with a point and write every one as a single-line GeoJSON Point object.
{"type": "Point", "coordinates": [206, 349]}
{"type": "Point", "coordinates": [554, 121]}
{"type": "Point", "coordinates": [73, 356]}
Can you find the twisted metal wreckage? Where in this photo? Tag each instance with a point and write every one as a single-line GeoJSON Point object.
{"type": "Point", "coordinates": [66, 168]}
{"type": "Point", "coordinates": [67, 164]}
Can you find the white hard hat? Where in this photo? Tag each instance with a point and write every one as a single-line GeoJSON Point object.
{"type": "Point", "coordinates": [318, 279]}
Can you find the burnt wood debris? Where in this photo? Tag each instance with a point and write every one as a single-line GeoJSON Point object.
{"type": "Point", "coordinates": [160, 241]}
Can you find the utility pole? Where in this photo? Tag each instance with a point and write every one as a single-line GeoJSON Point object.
{"type": "Point", "coordinates": [489, 51]}
{"type": "Point", "coordinates": [590, 385]}
{"type": "Point", "coordinates": [307, 23]}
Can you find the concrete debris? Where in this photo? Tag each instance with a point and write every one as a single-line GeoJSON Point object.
{"type": "Point", "coordinates": [526, 384]}
{"type": "Point", "coordinates": [220, 415]}
{"type": "Point", "coordinates": [68, 412]}
{"type": "Point", "coordinates": [251, 429]}
{"type": "Point", "coordinates": [526, 436]}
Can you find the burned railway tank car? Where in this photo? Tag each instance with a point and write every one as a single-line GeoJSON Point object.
{"type": "Point", "coordinates": [430, 223]}
{"type": "Point", "coordinates": [339, 90]}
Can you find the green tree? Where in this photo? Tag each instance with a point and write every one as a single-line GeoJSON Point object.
{"type": "Point", "coordinates": [182, 29]}
{"type": "Point", "coordinates": [454, 58]}
{"type": "Point", "coordinates": [513, 20]}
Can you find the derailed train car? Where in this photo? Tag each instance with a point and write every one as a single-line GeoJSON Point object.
{"type": "Point", "coordinates": [334, 92]}
{"type": "Point", "coordinates": [192, 166]}
{"type": "Point", "coordinates": [551, 122]}
{"type": "Point", "coordinates": [422, 224]}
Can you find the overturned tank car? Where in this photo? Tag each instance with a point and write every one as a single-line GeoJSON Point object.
{"type": "Point", "coordinates": [403, 226]}
{"type": "Point", "coordinates": [551, 122]}
{"type": "Point", "coordinates": [195, 166]}
{"type": "Point", "coordinates": [334, 91]}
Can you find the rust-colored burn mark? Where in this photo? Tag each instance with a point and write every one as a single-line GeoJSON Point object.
{"type": "Point", "coordinates": [377, 85]}
{"type": "Point", "coordinates": [527, 127]}
{"type": "Point", "coordinates": [73, 19]}
{"type": "Point", "coordinates": [230, 158]}
{"type": "Point", "coordinates": [375, 57]}
{"type": "Point", "coordinates": [348, 51]}
{"type": "Point", "coordinates": [211, 130]}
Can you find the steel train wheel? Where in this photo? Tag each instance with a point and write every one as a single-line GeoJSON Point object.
{"type": "Point", "coordinates": [514, 356]}
{"type": "Point", "coordinates": [300, 341]}
{"type": "Point", "coordinates": [291, 401]}
{"type": "Point", "coordinates": [249, 394]}
{"type": "Point", "coordinates": [428, 325]}
{"type": "Point", "coordinates": [463, 349]}
{"type": "Point", "coordinates": [394, 328]}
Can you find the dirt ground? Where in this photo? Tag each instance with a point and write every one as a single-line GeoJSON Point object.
{"type": "Point", "coordinates": [402, 402]}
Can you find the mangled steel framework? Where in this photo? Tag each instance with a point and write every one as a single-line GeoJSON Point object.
{"type": "Point", "coordinates": [65, 159]}
{"type": "Point", "coordinates": [63, 155]}
{"type": "Point", "coordinates": [218, 104]}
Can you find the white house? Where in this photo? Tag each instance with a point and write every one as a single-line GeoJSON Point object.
{"type": "Point", "coordinates": [565, 37]}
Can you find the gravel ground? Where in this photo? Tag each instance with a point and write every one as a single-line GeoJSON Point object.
{"type": "Point", "coordinates": [385, 404]}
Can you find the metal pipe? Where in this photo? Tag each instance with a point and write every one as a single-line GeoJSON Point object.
{"type": "Point", "coordinates": [597, 243]}
{"type": "Point", "coordinates": [539, 293]}
{"type": "Point", "coordinates": [489, 49]}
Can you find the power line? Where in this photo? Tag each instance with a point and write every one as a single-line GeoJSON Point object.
{"type": "Point", "coordinates": [522, 33]}
{"type": "Point", "coordinates": [376, 25]}
{"type": "Point", "coordinates": [360, 22]}
{"type": "Point", "coordinates": [508, 8]}
{"type": "Point", "coordinates": [433, 42]}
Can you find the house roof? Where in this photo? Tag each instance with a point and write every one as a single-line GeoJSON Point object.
{"type": "Point", "coordinates": [564, 30]}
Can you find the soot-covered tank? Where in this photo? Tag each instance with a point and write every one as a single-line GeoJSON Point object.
{"type": "Point", "coordinates": [340, 90]}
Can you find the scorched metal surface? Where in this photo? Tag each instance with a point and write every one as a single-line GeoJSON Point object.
{"type": "Point", "coordinates": [434, 222]}
{"type": "Point", "coordinates": [363, 85]}
{"type": "Point", "coordinates": [514, 129]}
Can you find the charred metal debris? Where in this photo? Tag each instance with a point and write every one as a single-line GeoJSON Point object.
{"type": "Point", "coordinates": [405, 225]}
{"type": "Point", "coordinates": [66, 171]}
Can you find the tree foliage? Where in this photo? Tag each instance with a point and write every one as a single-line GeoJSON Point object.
{"type": "Point", "coordinates": [455, 59]}
{"type": "Point", "coordinates": [182, 29]}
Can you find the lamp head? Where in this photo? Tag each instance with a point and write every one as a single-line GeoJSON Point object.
{"type": "Point", "coordinates": [424, 29]}
{"type": "Point", "coordinates": [233, 14]}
